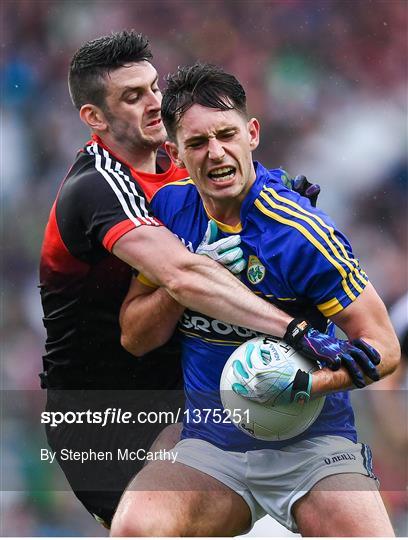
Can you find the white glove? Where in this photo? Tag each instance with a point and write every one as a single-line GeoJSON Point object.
{"type": "Point", "coordinates": [224, 251]}
{"type": "Point", "coordinates": [265, 379]}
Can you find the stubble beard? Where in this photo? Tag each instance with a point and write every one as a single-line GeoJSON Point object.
{"type": "Point", "coordinates": [134, 140]}
{"type": "Point", "coordinates": [131, 138]}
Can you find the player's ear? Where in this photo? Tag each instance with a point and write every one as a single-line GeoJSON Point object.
{"type": "Point", "coordinates": [172, 150]}
{"type": "Point", "coordinates": [253, 132]}
{"type": "Point", "coordinates": [93, 117]}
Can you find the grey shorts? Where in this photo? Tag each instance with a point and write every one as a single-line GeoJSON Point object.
{"type": "Point", "coordinates": [271, 481]}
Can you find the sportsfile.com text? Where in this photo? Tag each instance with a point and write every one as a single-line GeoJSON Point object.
{"type": "Point", "coordinates": [118, 416]}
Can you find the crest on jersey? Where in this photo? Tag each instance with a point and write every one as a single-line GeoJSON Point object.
{"type": "Point", "coordinates": [256, 270]}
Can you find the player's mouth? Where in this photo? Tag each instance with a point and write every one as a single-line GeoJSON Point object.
{"type": "Point", "coordinates": [154, 123]}
{"type": "Point", "coordinates": [222, 174]}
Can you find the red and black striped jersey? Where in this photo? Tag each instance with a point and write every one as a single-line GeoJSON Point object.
{"type": "Point", "coordinates": [83, 284]}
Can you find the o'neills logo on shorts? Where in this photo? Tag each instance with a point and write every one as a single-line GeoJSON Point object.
{"type": "Point", "coordinates": [340, 457]}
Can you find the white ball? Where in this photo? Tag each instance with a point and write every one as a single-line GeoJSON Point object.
{"type": "Point", "coordinates": [266, 422]}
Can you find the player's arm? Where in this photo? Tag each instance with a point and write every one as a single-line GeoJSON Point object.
{"type": "Point", "coordinates": [149, 314]}
{"type": "Point", "coordinates": [197, 282]}
{"type": "Point", "coordinates": [349, 364]}
{"type": "Point", "coordinates": [366, 318]}
{"type": "Point", "coordinates": [148, 318]}
{"type": "Point", "coordinates": [324, 269]}
{"type": "Point", "coordinates": [201, 284]}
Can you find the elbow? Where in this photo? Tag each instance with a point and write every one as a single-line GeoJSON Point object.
{"type": "Point", "coordinates": [136, 348]}
{"type": "Point", "coordinates": [146, 345]}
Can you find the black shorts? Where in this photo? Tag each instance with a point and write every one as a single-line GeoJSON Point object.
{"type": "Point", "coordinates": [100, 460]}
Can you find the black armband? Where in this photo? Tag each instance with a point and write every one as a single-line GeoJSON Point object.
{"type": "Point", "coordinates": [295, 331]}
{"type": "Point", "coordinates": [301, 387]}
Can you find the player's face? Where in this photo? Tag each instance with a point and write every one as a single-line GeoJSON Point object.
{"type": "Point", "coordinates": [133, 100]}
{"type": "Point", "coordinates": [216, 147]}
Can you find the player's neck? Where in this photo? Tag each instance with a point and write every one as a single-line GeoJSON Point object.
{"type": "Point", "coordinates": [228, 213]}
{"type": "Point", "coordinates": [141, 159]}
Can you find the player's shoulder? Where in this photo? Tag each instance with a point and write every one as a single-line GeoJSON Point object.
{"type": "Point", "coordinates": [289, 223]}
{"type": "Point", "coordinates": [279, 176]}
{"type": "Point", "coordinates": [95, 171]}
{"type": "Point", "coordinates": [176, 195]}
{"type": "Point", "coordinates": [277, 202]}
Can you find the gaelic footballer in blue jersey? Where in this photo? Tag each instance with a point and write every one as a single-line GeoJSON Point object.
{"type": "Point", "coordinates": [296, 259]}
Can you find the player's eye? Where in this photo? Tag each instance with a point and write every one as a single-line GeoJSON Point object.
{"type": "Point", "coordinates": [195, 144]}
{"type": "Point", "coordinates": [132, 98]}
{"type": "Point", "coordinates": [226, 135]}
{"type": "Point", "coordinates": [155, 89]}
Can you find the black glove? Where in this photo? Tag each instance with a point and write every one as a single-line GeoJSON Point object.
{"type": "Point", "coordinates": [357, 356]}
{"type": "Point", "coordinates": [301, 185]}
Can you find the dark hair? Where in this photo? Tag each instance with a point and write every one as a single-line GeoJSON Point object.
{"type": "Point", "coordinates": [203, 84]}
{"type": "Point", "coordinates": [95, 59]}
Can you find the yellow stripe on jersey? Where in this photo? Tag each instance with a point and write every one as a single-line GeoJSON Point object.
{"type": "Point", "coordinates": [180, 182]}
{"type": "Point", "coordinates": [146, 281]}
{"type": "Point", "coordinates": [312, 239]}
{"type": "Point", "coordinates": [175, 183]}
{"type": "Point", "coordinates": [307, 218]}
{"type": "Point", "coordinates": [209, 340]}
{"type": "Point", "coordinates": [351, 262]}
{"type": "Point", "coordinates": [361, 276]}
{"type": "Point", "coordinates": [330, 308]}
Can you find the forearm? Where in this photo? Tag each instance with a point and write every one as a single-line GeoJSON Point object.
{"type": "Point", "coordinates": [326, 381]}
{"type": "Point", "coordinates": [198, 282]}
{"type": "Point", "coordinates": [148, 321]}
{"type": "Point", "coordinates": [365, 319]}
{"type": "Point", "coordinates": [206, 287]}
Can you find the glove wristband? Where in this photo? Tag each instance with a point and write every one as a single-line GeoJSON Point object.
{"type": "Point", "coordinates": [295, 331]}
{"type": "Point", "coordinates": [301, 387]}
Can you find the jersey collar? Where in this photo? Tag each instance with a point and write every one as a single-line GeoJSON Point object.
{"type": "Point", "coordinates": [262, 175]}
{"type": "Point", "coordinates": [231, 229]}
{"type": "Point", "coordinates": [152, 177]}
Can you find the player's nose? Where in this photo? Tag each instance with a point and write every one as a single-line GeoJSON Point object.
{"type": "Point", "coordinates": [154, 100]}
{"type": "Point", "coordinates": [216, 151]}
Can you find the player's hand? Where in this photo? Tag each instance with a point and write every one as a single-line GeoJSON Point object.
{"type": "Point", "coordinates": [264, 379]}
{"type": "Point", "coordinates": [301, 185]}
{"type": "Point", "coordinates": [224, 251]}
{"type": "Point", "coordinates": [357, 356]}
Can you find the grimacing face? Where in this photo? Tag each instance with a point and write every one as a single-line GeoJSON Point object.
{"type": "Point", "coordinates": [215, 146]}
{"type": "Point", "coordinates": [132, 106]}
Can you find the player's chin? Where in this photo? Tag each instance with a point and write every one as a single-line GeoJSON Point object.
{"type": "Point", "coordinates": [154, 140]}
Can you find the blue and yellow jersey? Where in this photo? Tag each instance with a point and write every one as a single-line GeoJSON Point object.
{"type": "Point", "coordinates": [297, 260]}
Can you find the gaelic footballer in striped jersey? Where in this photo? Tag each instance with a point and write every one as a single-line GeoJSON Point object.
{"type": "Point", "coordinates": [76, 257]}
{"type": "Point", "coordinates": [297, 260]}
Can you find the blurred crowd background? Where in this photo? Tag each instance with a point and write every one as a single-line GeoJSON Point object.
{"type": "Point", "coordinates": [327, 79]}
